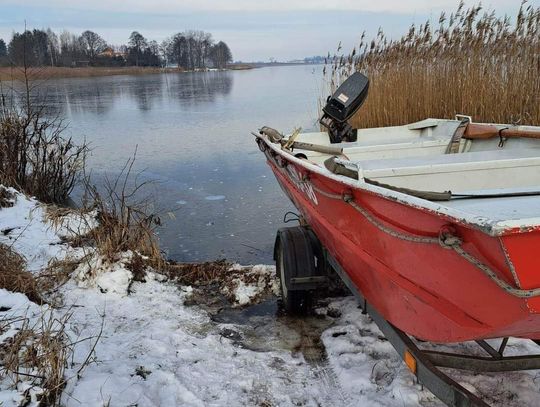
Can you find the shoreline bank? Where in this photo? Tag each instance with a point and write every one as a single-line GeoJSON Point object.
{"type": "Point", "coordinates": [17, 73]}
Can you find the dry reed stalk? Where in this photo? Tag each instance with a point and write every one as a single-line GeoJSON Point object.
{"type": "Point", "coordinates": [470, 63]}
{"type": "Point", "coordinates": [37, 354]}
{"type": "Point", "coordinates": [14, 277]}
{"type": "Point", "coordinates": [39, 288]}
{"type": "Point", "coordinates": [125, 222]}
{"type": "Point", "coordinates": [45, 73]}
{"type": "Point", "coordinates": [198, 274]}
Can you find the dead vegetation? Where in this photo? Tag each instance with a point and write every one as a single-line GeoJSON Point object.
{"type": "Point", "coordinates": [36, 355]}
{"type": "Point", "coordinates": [39, 287]}
{"type": "Point", "coordinates": [126, 222]}
{"type": "Point", "coordinates": [197, 274]}
{"type": "Point", "coordinates": [47, 72]}
{"type": "Point", "coordinates": [215, 283]}
{"type": "Point", "coordinates": [7, 199]}
{"type": "Point", "coordinates": [35, 157]}
{"type": "Point", "coordinates": [15, 278]}
{"type": "Point", "coordinates": [470, 62]}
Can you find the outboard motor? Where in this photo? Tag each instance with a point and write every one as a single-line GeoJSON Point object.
{"type": "Point", "coordinates": [342, 105]}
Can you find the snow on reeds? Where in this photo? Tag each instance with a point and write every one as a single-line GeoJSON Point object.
{"type": "Point", "coordinates": [470, 62]}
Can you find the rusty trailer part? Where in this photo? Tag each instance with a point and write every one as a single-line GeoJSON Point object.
{"type": "Point", "coordinates": [441, 385]}
{"type": "Point", "coordinates": [426, 364]}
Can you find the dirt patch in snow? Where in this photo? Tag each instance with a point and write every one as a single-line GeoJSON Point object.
{"type": "Point", "coordinates": [221, 282]}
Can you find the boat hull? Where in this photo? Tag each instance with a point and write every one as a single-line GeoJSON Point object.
{"type": "Point", "coordinates": [424, 289]}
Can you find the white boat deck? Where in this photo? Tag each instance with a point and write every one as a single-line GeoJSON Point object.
{"type": "Point", "coordinates": [469, 171]}
{"type": "Point", "coordinates": [510, 211]}
{"type": "Point", "coordinates": [413, 157]}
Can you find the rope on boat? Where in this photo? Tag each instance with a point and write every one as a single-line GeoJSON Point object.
{"type": "Point", "coordinates": [394, 233]}
{"type": "Point", "coordinates": [446, 239]}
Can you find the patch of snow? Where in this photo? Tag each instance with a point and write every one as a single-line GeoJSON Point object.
{"type": "Point", "coordinates": [185, 359]}
{"type": "Point", "coordinates": [366, 365]}
{"type": "Point", "coordinates": [10, 398]}
{"type": "Point", "coordinates": [24, 228]}
{"type": "Point", "coordinates": [155, 350]}
{"type": "Point", "coordinates": [96, 271]}
{"type": "Point", "coordinates": [18, 312]}
{"type": "Point", "coordinates": [243, 294]}
{"type": "Point", "coordinates": [236, 267]}
{"type": "Point", "coordinates": [371, 372]}
{"type": "Point", "coordinates": [76, 224]}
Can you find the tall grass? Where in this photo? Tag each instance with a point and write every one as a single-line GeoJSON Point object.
{"type": "Point", "coordinates": [470, 62]}
{"type": "Point", "coordinates": [125, 221]}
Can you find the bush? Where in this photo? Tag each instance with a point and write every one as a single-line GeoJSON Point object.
{"type": "Point", "coordinates": [34, 155]}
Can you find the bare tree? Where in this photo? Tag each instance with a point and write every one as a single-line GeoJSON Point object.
{"type": "Point", "coordinates": [53, 47]}
{"type": "Point", "coordinates": [3, 52]}
{"type": "Point", "coordinates": [3, 48]}
{"type": "Point", "coordinates": [154, 52]}
{"type": "Point", "coordinates": [189, 49]}
{"type": "Point", "coordinates": [92, 43]}
{"type": "Point", "coordinates": [220, 54]}
{"type": "Point", "coordinates": [71, 48]}
{"type": "Point", "coordinates": [137, 42]}
{"type": "Point", "coordinates": [177, 50]}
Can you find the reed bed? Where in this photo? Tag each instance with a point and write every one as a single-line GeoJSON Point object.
{"type": "Point", "coordinates": [9, 74]}
{"type": "Point", "coordinates": [471, 62]}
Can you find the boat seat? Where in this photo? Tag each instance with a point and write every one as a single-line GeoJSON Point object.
{"type": "Point", "coordinates": [391, 149]}
{"type": "Point", "coordinates": [457, 172]}
{"type": "Point", "coordinates": [417, 148]}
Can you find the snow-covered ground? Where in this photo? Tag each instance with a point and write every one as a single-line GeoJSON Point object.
{"type": "Point", "coordinates": [154, 350]}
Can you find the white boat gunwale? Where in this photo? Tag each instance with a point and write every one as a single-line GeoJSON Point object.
{"type": "Point", "coordinates": [484, 223]}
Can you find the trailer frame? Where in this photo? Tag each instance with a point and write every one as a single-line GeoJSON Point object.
{"type": "Point", "coordinates": [426, 364]}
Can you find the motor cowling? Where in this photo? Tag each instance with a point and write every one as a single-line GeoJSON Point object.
{"type": "Point", "coordinates": [342, 105]}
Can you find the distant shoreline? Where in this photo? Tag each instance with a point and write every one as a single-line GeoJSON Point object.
{"type": "Point", "coordinates": [16, 73]}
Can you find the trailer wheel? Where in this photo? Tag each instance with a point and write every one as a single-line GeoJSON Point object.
{"type": "Point", "coordinates": [301, 267]}
{"type": "Point", "coordinates": [294, 302]}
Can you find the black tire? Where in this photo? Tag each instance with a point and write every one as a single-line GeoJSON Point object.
{"type": "Point", "coordinates": [293, 302]}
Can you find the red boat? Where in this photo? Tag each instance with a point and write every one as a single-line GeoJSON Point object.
{"type": "Point", "coordinates": [437, 223]}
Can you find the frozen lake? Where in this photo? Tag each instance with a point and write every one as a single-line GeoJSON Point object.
{"type": "Point", "coordinates": [192, 134]}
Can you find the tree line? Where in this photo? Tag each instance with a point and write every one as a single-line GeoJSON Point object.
{"type": "Point", "coordinates": [189, 50]}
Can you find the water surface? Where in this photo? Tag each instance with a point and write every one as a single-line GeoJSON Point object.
{"type": "Point", "coordinates": [192, 135]}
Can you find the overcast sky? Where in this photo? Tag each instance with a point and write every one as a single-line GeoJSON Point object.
{"type": "Point", "coordinates": [254, 29]}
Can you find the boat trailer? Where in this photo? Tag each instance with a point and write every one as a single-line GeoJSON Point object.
{"type": "Point", "coordinates": [304, 265]}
